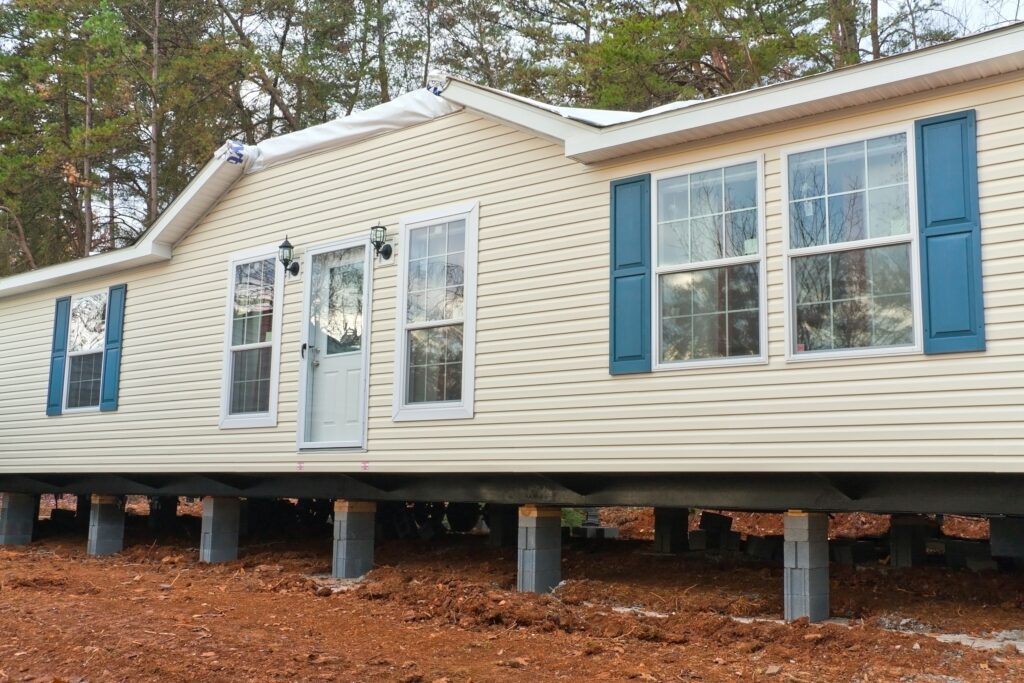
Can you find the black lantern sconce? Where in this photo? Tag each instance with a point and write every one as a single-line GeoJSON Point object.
{"type": "Point", "coordinates": [379, 240]}
{"type": "Point", "coordinates": [286, 254]}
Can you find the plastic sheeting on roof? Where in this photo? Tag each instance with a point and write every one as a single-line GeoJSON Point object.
{"type": "Point", "coordinates": [406, 110]}
{"type": "Point", "coordinates": [602, 117]}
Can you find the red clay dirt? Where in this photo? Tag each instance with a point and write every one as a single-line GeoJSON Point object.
{"type": "Point", "coordinates": [446, 611]}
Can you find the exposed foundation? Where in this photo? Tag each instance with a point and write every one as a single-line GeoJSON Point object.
{"type": "Point", "coordinates": [540, 549]}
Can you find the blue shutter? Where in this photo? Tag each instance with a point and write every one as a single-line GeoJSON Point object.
{"type": "Point", "coordinates": [58, 357]}
{"type": "Point", "coordinates": [112, 348]}
{"type": "Point", "coordinates": [630, 276]}
{"type": "Point", "coordinates": [947, 191]}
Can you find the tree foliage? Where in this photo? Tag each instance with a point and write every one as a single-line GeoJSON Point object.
{"type": "Point", "coordinates": [108, 109]}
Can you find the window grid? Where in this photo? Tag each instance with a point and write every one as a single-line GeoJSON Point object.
{"type": "Point", "coordinates": [724, 263]}
{"type": "Point", "coordinates": [253, 297]}
{"type": "Point", "coordinates": [867, 243]}
{"type": "Point", "coordinates": [85, 349]}
{"type": "Point", "coordinates": [435, 312]}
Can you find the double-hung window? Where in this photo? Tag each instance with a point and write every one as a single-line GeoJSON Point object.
{"type": "Point", "coordinates": [851, 254]}
{"type": "Point", "coordinates": [87, 328]}
{"type": "Point", "coordinates": [436, 315]}
{"type": "Point", "coordinates": [709, 271]}
{"type": "Point", "coordinates": [253, 341]}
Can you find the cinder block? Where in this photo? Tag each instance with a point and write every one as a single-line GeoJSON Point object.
{"type": "Point", "coordinates": [1007, 536]}
{"type": "Point", "coordinates": [221, 522]}
{"type": "Point", "coordinates": [670, 525]}
{"type": "Point", "coordinates": [354, 526]}
{"type": "Point", "coordinates": [714, 522]}
{"type": "Point", "coordinates": [813, 607]}
{"type": "Point", "coordinates": [958, 551]}
{"type": "Point", "coordinates": [18, 513]}
{"type": "Point", "coordinates": [766, 548]}
{"type": "Point", "coordinates": [809, 554]}
{"type": "Point", "coordinates": [539, 554]}
{"type": "Point", "coordinates": [106, 526]}
{"type": "Point", "coordinates": [698, 539]}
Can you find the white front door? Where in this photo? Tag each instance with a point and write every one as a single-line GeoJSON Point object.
{"type": "Point", "coordinates": [335, 348]}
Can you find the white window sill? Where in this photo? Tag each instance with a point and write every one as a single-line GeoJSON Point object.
{"type": "Point", "coordinates": [248, 421]}
{"type": "Point", "coordinates": [851, 354]}
{"type": "Point", "coordinates": [87, 409]}
{"type": "Point", "coordinates": [435, 411]}
{"type": "Point", "coordinates": [739, 361]}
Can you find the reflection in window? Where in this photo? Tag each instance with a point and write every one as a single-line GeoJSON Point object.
{"type": "Point", "coordinates": [252, 336]}
{"type": "Point", "coordinates": [435, 312]}
{"type": "Point", "coordinates": [86, 337]}
{"type": "Point", "coordinates": [857, 294]}
{"type": "Point", "coordinates": [707, 310]}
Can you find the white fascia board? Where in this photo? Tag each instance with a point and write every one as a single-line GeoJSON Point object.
{"type": "Point", "coordinates": [514, 111]}
{"type": "Point", "coordinates": [988, 54]}
{"type": "Point", "coordinates": [198, 197]}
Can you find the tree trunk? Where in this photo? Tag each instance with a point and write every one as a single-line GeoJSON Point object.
{"type": "Point", "coordinates": [154, 118]}
{"type": "Point", "coordinates": [876, 46]}
{"type": "Point", "coordinates": [382, 62]}
{"type": "Point", "coordinates": [22, 242]}
{"type": "Point", "coordinates": [87, 168]}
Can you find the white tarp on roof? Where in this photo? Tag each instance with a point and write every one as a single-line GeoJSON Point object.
{"type": "Point", "coordinates": [603, 117]}
{"type": "Point", "coordinates": [407, 110]}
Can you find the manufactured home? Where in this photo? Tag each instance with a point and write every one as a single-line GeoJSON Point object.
{"type": "Point", "coordinates": [806, 297]}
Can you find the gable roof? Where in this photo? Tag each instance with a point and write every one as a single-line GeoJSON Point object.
{"type": "Point", "coordinates": [588, 135]}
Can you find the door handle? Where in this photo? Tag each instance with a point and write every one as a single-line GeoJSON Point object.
{"type": "Point", "coordinates": [302, 351]}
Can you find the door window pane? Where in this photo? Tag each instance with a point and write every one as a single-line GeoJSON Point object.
{"type": "Point", "coordinates": [336, 303]}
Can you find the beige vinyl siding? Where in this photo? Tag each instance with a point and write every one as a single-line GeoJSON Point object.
{"type": "Point", "coordinates": [544, 399]}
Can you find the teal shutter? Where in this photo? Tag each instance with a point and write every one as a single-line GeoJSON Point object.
{"type": "Point", "coordinates": [947, 191]}
{"type": "Point", "coordinates": [58, 357]}
{"type": "Point", "coordinates": [630, 324]}
{"type": "Point", "coordinates": [112, 348]}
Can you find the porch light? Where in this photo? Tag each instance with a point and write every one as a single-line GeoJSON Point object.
{"type": "Point", "coordinates": [286, 254]}
{"type": "Point", "coordinates": [379, 240]}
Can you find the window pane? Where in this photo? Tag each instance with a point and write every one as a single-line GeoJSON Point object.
{"type": "Point", "coordinates": [250, 381]}
{"type": "Point", "coordinates": [344, 324]}
{"type": "Point", "coordinates": [889, 209]}
{"type": "Point", "coordinates": [867, 192]}
{"type": "Point", "coordinates": [706, 238]}
{"type": "Point", "coordinates": [434, 289]}
{"type": "Point", "coordinates": [673, 198]}
{"type": "Point", "coordinates": [253, 303]}
{"type": "Point", "coordinates": [435, 365]}
{"type": "Point", "coordinates": [674, 243]}
{"type": "Point", "coordinates": [710, 313]}
{"type": "Point", "coordinates": [854, 299]}
{"type": "Point", "coordinates": [417, 243]}
{"type": "Point", "coordinates": [807, 223]}
{"type": "Point", "coordinates": [706, 193]}
{"type": "Point", "coordinates": [845, 167]}
{"type": "Point", "coordinates": [741, 187]}
{"type": "Point", "coordinates": [807, 174]}
{"type": "Point", "coordinates": [846, 219]}
{"type": "Point", "coordinates": [88, 323]}
{"type": "Point", "coordinates": [741, 233]}
{"type": "Point", "coordinates": [456, 236]}
{"type": "Point", "coordinates": [887, 160]}
{"type": "Point", "coordinates": [84, 374]}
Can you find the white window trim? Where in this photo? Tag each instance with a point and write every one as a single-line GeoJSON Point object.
{"type": "Point", "coordinates": [268, 419]}
{"type": "Point", "coordinates": [657, 271]}
{"type": "Point", "coordinates": [449, 410]}
{"type": "Point", "coordinates": [915, 262]}
{"type": "Point", "coordinates": [68, 353]}
{"type": "Point", "coordinates": [300, 432]}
